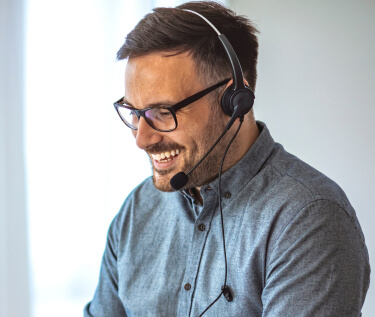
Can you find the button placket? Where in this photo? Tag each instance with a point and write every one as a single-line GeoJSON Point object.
{"type": "Point", "coordinates": [201, 229]}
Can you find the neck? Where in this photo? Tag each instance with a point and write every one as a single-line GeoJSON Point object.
{"type": "Point", "coordinates": [245, 138]}
{"type": "Point", "coordinates": [196, 193]}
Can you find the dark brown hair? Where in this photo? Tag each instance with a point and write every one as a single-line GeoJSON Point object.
{"type": "Point", "coordinates": [176, 31]}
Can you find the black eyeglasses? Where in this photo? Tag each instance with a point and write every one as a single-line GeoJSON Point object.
{"type": "Point", "coordinates": [161, 118]}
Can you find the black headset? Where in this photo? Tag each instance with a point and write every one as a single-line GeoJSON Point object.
{"type": "Point", "coordinates": [238, 98]}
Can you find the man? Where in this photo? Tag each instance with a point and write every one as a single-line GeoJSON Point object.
{"type": "Point", "coordinates": [292, 244]}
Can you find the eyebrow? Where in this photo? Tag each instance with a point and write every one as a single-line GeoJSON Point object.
{"type": "Point", "coordinates": [152, 105]}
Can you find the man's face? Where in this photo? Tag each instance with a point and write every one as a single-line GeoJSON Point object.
{"type": "Point", "coordinates": [166, 80]}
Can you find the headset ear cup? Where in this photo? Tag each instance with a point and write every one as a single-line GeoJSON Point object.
{"type": "Point", "coordinates": [225, 101]}
{"type": "Point", "coordinates": [231, 97]}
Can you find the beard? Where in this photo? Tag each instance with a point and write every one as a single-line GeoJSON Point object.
{"type": "Point", "coordinates": [207, 170]}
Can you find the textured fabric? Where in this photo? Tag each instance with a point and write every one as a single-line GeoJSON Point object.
{"type": "Point", "coordinates": [294, 246]}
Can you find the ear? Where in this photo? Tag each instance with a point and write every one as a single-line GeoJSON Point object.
{"type": "Point", "coordinates": [228, 84]}
{"type": "Point", "coordinates": [231, 82]}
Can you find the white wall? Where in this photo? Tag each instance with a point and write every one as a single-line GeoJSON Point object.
{"type": "Point", "coordinates": [316, 92]}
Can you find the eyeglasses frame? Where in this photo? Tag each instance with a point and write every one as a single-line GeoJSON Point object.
{"type": "Point", "coordinates": [173, 109]}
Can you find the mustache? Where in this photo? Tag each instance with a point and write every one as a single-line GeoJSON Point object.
{"type": "Point", "coordinates": [163, 147]}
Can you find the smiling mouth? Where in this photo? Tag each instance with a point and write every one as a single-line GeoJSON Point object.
{"type": "Point", "coordinates": [164, 157]}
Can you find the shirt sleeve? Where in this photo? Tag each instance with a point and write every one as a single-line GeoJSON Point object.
{"type": "Point", "coordinates": [319, 265]}
{"type": "Point", "coordinates": [106, 301]}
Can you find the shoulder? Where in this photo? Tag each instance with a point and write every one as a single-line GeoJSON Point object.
{"type": "Point", "coordinates": [307, 200]}
{"type": "Point", "coordinates": [138, 195]}
{"type": "Point", "coordinates": [289, 192]}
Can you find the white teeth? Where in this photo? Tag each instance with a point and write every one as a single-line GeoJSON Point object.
{"type": "Point", "coordinates": [165, 156]}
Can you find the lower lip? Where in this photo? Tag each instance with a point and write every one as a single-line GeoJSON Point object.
{"type": "Point", "coordinates": [165, 165]}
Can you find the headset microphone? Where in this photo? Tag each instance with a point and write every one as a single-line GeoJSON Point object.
{"type": "Point", "coordinates": [179, 180]}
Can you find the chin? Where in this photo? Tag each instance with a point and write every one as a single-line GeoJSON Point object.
{"type": "Point", "coordinates": [162, 182]}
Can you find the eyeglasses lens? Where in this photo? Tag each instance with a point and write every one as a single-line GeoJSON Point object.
{"type": "Point", "coordinates": [129, 117]}
{"type": "Point", "coordinates": [158, 118]}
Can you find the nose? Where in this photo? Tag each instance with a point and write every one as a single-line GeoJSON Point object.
{"type": "Point", "coordinates": [146, 135]}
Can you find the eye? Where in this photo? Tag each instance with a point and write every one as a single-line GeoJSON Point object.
{"type": "Point", "coordinates": [162, 114]}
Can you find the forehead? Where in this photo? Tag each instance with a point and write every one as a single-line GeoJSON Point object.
{"type": "Point", "coordinates": [173, 76]}
{"type": "Point", "coordinates": [153, 65]}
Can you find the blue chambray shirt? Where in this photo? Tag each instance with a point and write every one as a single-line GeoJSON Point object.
{"type": "Point", "coordinates": [294, 246]}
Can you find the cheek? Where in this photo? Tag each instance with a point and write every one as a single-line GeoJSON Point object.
{"type": "Point", "coordinates": [192, 122]}
{"type": "Point", "coordinates": [134, 132]}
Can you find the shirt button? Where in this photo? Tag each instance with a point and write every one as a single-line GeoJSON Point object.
{"type": "Point", "coordinates": [187, 287]}
{"type": "Point", "coordinates": [201, 227]}
{"type": "Point", "coordinates": [227, 195]}
{"type": "Point", "coordinates": [208, 188]}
